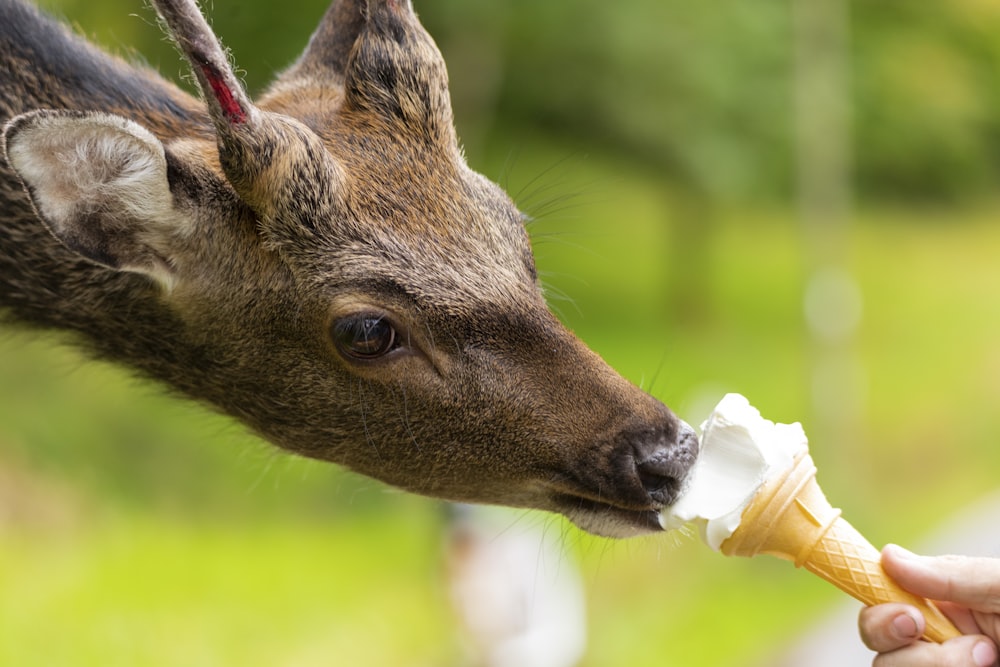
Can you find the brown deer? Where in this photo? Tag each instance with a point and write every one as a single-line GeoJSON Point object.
{"type": "Point", "coordinates": [321, 264]}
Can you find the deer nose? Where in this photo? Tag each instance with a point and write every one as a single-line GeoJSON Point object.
{"type": "Point", "coordinates": [662, 464]}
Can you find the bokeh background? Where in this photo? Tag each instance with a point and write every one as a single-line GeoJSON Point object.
{"type": "Point", "coordinates": [793, 200]}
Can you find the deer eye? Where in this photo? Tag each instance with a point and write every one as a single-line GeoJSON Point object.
{"type": "Point", "coordinates": [364, 337]}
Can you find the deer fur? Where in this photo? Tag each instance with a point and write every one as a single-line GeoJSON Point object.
{"type": "Point", "coordinates": [320, 264]}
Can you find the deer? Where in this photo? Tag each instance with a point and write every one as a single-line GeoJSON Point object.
{"type": "Point", "coordinates": [320, 263]}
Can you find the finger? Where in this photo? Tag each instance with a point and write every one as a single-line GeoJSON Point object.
{"type": "Point", "coordinates": [974, 582]}
{"type": "Point", "coordinates": [970, 651]}
{"type": "Point", "coordinates": [968, 621]}
{"type": "Point", "coordinates": [891, 626]}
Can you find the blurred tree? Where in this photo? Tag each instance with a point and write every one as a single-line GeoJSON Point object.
{"type": "Point", "coordinates": [701, 96]}
{"type": "Point", "coordinates": [926, 99]}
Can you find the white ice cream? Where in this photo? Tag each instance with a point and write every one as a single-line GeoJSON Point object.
{"type": "Point", "coordinates": [739, 450]}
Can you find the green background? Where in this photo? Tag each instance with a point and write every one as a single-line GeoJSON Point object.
{"type": "Point", "coordinates": [654, 142]}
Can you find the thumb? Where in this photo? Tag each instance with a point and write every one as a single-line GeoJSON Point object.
{"type": "Point", "coordinates": [971, 582]}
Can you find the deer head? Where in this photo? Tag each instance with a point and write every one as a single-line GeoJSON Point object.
{"type": "Point", "coordinates": [328, 269]}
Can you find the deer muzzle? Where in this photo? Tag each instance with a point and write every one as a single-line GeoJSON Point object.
{"type": "Point", "coordinates": [644, 471]}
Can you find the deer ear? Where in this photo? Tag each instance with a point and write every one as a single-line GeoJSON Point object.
{"type": "Point", "coordinates": [99, 182]}
{"type": "Point", "coordinates": [396, 71]}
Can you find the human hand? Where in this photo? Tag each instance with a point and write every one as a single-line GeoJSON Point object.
{"type": "Point", "coordinates": [966, 589]}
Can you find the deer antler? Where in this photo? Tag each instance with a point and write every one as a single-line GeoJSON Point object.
{"type": "Point", "coordinates": [228, 103]}
{"type": "Point", "coordinates": [247, 136]}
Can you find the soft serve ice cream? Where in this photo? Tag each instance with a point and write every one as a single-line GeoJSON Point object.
{"type": "Point", "coordinates": [739, 451]}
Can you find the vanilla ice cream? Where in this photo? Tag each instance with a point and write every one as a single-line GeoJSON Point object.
{"type": "Point", "coordinates": [739, 450]}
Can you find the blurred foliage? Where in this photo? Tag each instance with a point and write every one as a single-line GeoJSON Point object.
{"type": "Point", "coordinates": [706, 94]}
{"type": "Point", "coordinates": [652, 141]}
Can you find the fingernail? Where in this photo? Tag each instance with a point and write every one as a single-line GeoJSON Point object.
{"type": "Point", "coordinates": [905, 626]}
{"type": "Point", "coordinates": [984, 654]}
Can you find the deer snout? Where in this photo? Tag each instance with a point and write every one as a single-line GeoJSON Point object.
{"type": "Point", "coordinates": [663, 462]}
{"type": "Point", "coordinates": [646, 473]}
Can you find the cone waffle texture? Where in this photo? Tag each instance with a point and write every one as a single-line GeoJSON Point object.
{"type": "Point", "coordinates": [791, 518]}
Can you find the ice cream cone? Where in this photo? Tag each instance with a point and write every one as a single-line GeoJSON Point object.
{"type": "Point", "coordinates": [790, 518]}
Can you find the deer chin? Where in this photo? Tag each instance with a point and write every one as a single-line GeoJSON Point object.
{"type": "Point", "coordinates": [606, 520]}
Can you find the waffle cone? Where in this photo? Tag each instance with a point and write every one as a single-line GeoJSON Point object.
{"type": "Point", "coordinates": [791, 518]}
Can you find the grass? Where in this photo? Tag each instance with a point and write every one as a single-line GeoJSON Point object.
{"type": "Point", "coordinates": [139, 530]}
{"type": "Point", "coordinates": [140, 590]}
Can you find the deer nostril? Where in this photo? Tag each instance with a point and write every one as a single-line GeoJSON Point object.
{"type": "Point", "coordinates": [662, 465]}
